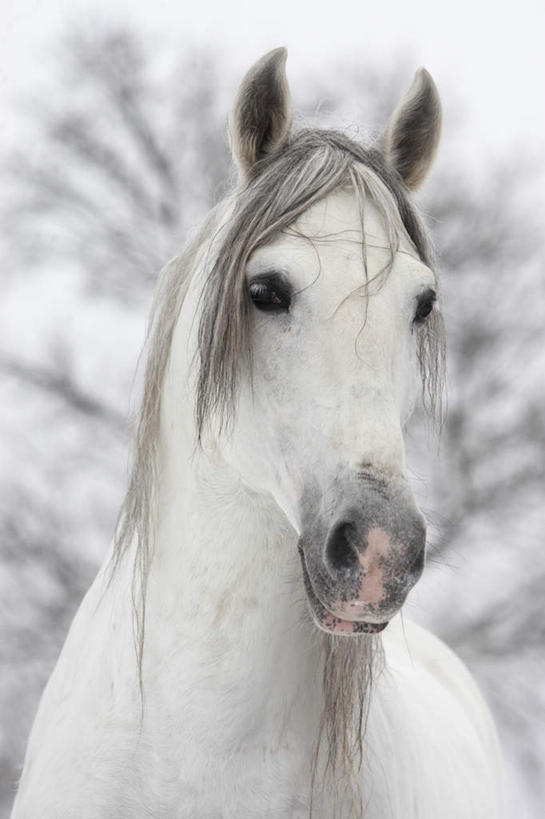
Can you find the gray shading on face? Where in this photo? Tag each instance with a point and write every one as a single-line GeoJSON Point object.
{"type": "Point", "coordinates": [335, 543]}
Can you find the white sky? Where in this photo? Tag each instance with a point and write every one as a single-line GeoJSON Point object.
{"type": "Point", "coordinates": [490, 54]}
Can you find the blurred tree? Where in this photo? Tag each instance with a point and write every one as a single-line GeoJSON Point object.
{"type": "Point", "coordinates": [118, 170]}
{"type": "Point", "coordinates": [117, 175]}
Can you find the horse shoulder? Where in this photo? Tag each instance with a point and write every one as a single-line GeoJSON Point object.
{"type": "Point", "coordinates": [442, 722]}
{"type": "Point", "coordinates": [447, 670]}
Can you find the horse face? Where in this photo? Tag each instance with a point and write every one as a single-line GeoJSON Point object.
{"type": "Point", "coordinates": [319, 420]}
{"type": "Point", "coordinates": [334, 365]}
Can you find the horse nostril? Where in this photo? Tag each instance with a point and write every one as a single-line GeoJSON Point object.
{"type": "Point", "coordinates": [341, 551]}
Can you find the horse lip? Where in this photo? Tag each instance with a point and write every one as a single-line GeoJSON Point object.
{"type": "Point", "coordinates": [327, 620]}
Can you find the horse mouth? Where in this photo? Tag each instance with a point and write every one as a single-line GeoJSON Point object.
{"type": "Point", "coordinates": [328, 621]}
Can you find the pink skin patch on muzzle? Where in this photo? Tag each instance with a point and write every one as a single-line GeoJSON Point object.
{"type": "Point", "coordinates": [358, 615]}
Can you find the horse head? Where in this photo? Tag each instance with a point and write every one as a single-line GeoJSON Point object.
{"type": "Point", "coordinates": [317, 309]}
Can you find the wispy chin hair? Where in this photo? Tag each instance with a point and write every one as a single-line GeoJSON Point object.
{"type": "Point", "coordinates": [350, 666]}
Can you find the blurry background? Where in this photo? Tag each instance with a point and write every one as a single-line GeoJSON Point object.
{"type": "Point", "coordinates": [112, 147]}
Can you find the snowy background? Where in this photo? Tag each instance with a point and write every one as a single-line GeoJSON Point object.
{"type": "Point", "coordinates": [113, 146]}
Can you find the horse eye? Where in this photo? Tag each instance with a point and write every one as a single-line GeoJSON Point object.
{"type": "Point", "coordinates": [424, 306]}
{"type": "Point", "coordinates": [270, 294]}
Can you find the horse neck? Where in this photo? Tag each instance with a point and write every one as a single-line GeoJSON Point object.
{"type": "Point", "coordinates": [223, 591]}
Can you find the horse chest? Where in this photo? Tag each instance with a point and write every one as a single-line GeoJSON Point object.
{"type": "Point", "coordinates": [251, 782]}
{"type": "Point", "coordinates": [191, 759]}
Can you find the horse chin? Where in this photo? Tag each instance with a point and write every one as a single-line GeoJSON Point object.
{"type": "Point", "coordinates": [331, 623]}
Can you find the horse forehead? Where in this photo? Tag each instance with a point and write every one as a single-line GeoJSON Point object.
{"type": "Point", "coordinates": [328, 237]}
{"type": "Point", "coordinates": [338, 216]}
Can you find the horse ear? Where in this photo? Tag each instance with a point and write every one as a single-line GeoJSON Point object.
{"type": "Point", "coordinates": [411, 137]}
{"type": "Point", "coordinates": [261, 118]}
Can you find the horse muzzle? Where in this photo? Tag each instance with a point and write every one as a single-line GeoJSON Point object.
{"type": "Point", "coordinates": [360, 564]}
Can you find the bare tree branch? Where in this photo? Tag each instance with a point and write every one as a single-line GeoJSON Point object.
{"type": "Point", "coordinates": [64, 388]}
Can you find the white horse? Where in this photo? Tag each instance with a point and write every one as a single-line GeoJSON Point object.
{"type": "Point", "coordinates": [227, 662]}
